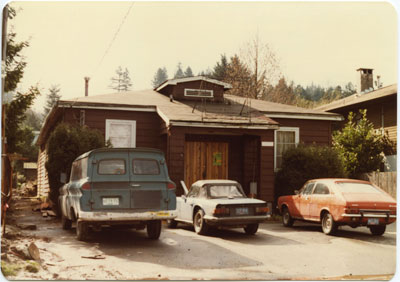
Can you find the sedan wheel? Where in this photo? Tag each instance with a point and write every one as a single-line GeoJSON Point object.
{"type": "Point", "coordinates": [329, 226]}
{"type": "Point", "coordinates": [251, 229]}
{"type": "Point", "coordinates": [287, 220]}
{"type": "Point", "coordinates": [377, 230]}
{"type": "Point", "coordinates": [200, 226]}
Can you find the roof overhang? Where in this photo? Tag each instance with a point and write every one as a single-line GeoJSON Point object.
{"type": "Point", "coordinates": [309, 117]}
{"type": "Point", "coordinates": [189, 79]}
{"type": "Point", "coordinates": [223, 125]}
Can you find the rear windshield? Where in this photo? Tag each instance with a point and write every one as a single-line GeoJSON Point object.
{"type": "Point", "coordinates": [146, 167]}
{"type": "Point", "coordinates": [112, 167]}
{"type": "Point", "coordinates": [352, 187]}
{"type": "Point", "coordinates": [225, 191]}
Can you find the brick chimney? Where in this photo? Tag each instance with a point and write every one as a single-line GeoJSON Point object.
{"type": "Point", "coordinates": [367, 80]}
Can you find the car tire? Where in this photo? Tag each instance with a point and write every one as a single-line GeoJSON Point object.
{"type": "Point", "coordinates": [329, 226]}
{"type": "Point", "coordinates": [200, 225]}
{"type": "Point", "coordinates": [66, 223]}
{"type": "Point", "coordinates": [287, 219]}
{"type": "Point", "coordinates": [153, 229]}
{"type": "Point", "coordinates": [82, 230]}
{"type": "Point", "coordinates": [251, 229]}
{"type": "Point", "coordinates": [171, 223]}
{"type": "Point", "coordinates": [377, 230]}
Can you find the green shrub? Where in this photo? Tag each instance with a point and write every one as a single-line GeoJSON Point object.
{"type": "Point", "coordinates": [303, 163]}
{"type": "Point", "coordinates": [64, 145]}
{"type": "Point", "coordinates": [9, 269]}
{"type": "Point", "coordinates": [361, 147]}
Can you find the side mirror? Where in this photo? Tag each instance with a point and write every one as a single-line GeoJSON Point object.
{"type": "Point", "coordinates": [63, 178]}
{"type": "Point", "coordinates": [296, 192]}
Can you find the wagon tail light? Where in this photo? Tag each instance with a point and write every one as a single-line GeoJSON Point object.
{"type": "Point", "coordinates": [262, 210]}
{"type": "Point", "coordinates": [393, 209]}
{"type": "Point", "coordinates": [86, 186]}
{"type": "Point", "coordinates": [221, 211]}
{"type": "Point", "coordinates": [171, 185]}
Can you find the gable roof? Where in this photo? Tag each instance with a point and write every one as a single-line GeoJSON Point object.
{"type": "Point", "coordinates": [192, 78]}
{"type": "Point", "coordinates": [360, 98]}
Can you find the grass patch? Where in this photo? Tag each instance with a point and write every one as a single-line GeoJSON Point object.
{"type": "Point", "coordinates": [32, 266]}
{"type": "Point", "coordinates": [9, 269]}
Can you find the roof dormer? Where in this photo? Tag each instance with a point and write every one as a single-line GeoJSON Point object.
{"type": "Point", "coordinates": [194, 88]}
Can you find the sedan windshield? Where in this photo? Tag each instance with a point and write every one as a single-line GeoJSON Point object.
{"type": "Point", "coordinates": [353, 187]}
{"type": "Point", "coordinates": [225, 191]}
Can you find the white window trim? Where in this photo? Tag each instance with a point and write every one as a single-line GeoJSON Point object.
{"type": "Point", "coordinates": [132, 123]}
{"type": "Point", "coordinates": [201, 96]}
{"type": "Point", "coordinates": [296, 139]}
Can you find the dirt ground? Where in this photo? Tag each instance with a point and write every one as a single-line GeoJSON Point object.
{"type": "Point", "coordinates": [274, 253]}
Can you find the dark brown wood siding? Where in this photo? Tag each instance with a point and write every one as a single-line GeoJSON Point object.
{"type": "Point", "coordinates": [311, 131]}
{"type": "Point", "coordinates": [179, 90]}
{"type": "Point", "coordinates": [148, 125]}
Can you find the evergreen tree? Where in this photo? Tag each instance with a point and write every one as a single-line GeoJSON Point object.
{"type": "Point", "coordinates": [179, 72]}
{"type": "Point", "coordinates": [159, 77]}
{"type": "Point", "coordinates": [52, 98]}
{"type": "Point", "coordinates": [220, 69]}
{"type": "Point", "coordinates": [122, 80]}
{"type": "Point", "coordinates": [188, 72]}
{"type": "Point", "coordinates": [239, 76]}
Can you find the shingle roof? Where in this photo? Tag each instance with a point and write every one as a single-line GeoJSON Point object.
{"type": "Point", "coordinates": [360, 98]}
{"type": "Point", "coordinates": [173, 112]}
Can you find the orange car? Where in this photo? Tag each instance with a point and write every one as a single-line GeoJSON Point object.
{"type": "Point", "coordinates": [335, 202]}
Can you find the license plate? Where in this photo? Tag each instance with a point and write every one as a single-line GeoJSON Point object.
{"type": "Point", "coordinates": [373, 221]}
{"type": "Point", "coordinates": [110, 201]}
{"type": "Point", "coordinates": [242, 211]}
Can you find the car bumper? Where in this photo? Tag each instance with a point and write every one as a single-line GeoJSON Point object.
{"type": "Point", "coordinates": [126, 216]}
{"type": "Point", "coordinates": [212, 220]}
{"type": "Point", "coordinates": [364, 219]}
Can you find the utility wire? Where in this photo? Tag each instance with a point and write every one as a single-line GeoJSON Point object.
{"type": "Point", "coordinates": [114, 38]}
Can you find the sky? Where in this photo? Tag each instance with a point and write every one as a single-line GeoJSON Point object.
{"type": "Point", "coordinates": [316, 42]}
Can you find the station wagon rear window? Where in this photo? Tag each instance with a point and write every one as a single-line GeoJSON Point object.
{"type": "Point", "coordinates": [352, 187]}
{"type": "Point", "coordinates": [146, 167]}
{"type": "Point", "coordinates": [225, 191]}
{"type": "Point", "coordinates": [111, 167]}
{"type": "Point", "coordinates": [79, 169]}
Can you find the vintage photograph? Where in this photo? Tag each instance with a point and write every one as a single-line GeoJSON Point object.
{"type": "Point", "coordinates": [199, 140]}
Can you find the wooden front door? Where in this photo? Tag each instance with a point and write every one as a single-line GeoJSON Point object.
{"type": "Point", "coordinates": [205, 160]}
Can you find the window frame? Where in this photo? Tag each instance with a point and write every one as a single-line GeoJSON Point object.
{"type": "Point", "coordinates": [200, 96]}
{"type": "Point", "coordinates": [145, 159]}
{"type": "Point", "coordinates": [112, 159]}
{"type": "Point", "coordinates": [296, 131]}
{"type": "Point", "coordinates": [132, 123]}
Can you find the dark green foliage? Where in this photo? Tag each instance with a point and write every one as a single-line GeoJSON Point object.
{"type": "Point", "coordinates": [360, 145]}
{"type": "Point", "coordinates": [52, 98]}
{"type": "Point", "coordinates": [304, 163]}
{"type": "Point", "coordinates": [220, 69]}
{"type": "Point", "coordinates": [188, 72]}
{"type": "Point", "coordinates": [15, 116]}
{"type": "Point", "coordinates": [159, 77]}
{"type": "Point", "coordinates": [179, 72]}
{"type": "Point", "coordinates": [64, 145]}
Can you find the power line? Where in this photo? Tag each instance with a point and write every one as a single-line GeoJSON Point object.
{"type": "Point", "coordinates": [113, 39]}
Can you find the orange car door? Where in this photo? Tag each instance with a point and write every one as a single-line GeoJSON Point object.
{"type": "Point", "coordinates": [304, 200]}
{"type": "Point", "coordinates": [320, 198]}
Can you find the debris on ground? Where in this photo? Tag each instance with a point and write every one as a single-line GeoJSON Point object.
{"type": "Point", "coordinates": [94, 257]}
{"type": "Point", "coordinates": [34, 252]}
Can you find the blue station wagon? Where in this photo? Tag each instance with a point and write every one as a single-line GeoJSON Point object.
{"type": "Point", "coordinates": [118, 186]}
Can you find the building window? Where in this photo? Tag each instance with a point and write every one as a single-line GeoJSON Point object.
{"type": "Point", "coordinates": [285, 138]}
{"type": "Point", "coordinates": [199, 93]}
{"type": "Point", "coordinates": [121, 133]}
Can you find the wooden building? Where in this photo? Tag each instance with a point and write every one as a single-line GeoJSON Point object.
{"type": "Point", "coordinates": [204, 133]}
